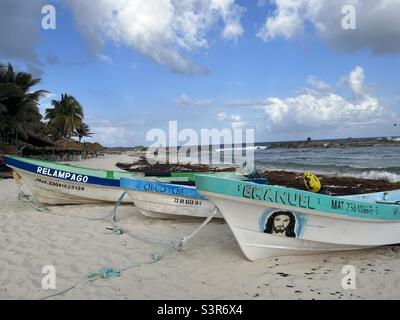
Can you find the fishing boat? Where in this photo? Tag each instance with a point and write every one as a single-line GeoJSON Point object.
{"type": "Point", "coordinates": [160, 200]}
{"type": "Point", "coordinates": [175, 199]}
{"type": "Point", "coordinates": [55, 183]}
{"type": "Point", "coordinates": [269, 221]}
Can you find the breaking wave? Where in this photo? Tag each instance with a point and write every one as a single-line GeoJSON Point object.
{"type": "Point", "coordinates": [375, 175]}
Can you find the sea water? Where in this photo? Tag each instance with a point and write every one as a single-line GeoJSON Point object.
{"type": "Point", "coordinates": [376, 162]}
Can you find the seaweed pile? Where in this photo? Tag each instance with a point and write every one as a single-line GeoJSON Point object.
{"type": "Point", "coordinates": [333, 185]}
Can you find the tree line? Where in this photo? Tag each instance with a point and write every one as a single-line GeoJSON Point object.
{"type": "Point", "coordinates": [20, 115]}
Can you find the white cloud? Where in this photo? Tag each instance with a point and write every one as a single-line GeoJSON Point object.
{"type": "Point", "coordinates": [321, 107]}
{"type": "Point", "coordinates": [286, 22]}
{"type": "Point", "coordinates": [45, 102]}
{"type": "Point", "coordinates": [235, 119]}
{"type": "Point", "coordinates": [104, 58]}
{"type": "Point", "coordinates": [238, 124]}
{"type": "Point", "coordinates": [185, 100]}
{"type": "Point", "coordinates": [377, 23]}
{"type": "Point", "coordinates": [113, 136]}
{"type": "Point", "coordinates": [355, 81]}
{"type": "Point", "coordinates": [243, 103]}
{"type": "Point", "coordinates": [159, 29]}
{"type": "Point", "coordinates": [221, 116]}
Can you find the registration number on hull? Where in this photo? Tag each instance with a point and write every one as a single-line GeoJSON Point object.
{"type": "Point", "coordinates": [189, 202]}
{"type": "Point", "coordinates": [59, 184]}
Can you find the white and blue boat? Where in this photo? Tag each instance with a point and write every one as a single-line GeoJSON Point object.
{"type": "Point", "coordinates": [166, 200]}
{"type": "Point", "coordinates": [56, 183]}
{"type": "Point", "coordinates": [174, 200]}
{"type": "Point", "coordinates": [269, 221]}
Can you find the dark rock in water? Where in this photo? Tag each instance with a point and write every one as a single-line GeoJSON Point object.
{"type": "Point", "coordinates": [348, 143]}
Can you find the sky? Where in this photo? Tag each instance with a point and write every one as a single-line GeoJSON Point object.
{"type": "Point", "coordinates": [287, 69]}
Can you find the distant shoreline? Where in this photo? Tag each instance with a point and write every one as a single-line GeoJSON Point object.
{"type": "Point", "coordinates": [300, 144]}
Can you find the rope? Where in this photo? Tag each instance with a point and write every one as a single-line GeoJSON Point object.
{"type": "Point", "coordinates": [26, 199]}
{"type": "Point", "coordinates": [61, 292]}
{"type": "Point", "coordinates": [389, 202]}
{"type": "Point", "coordinates": [104, 273]}
{"type": "Point", "coordinates": [109, 273]}
{"type": "Point", "coordinates": [180, 246]}
{"type": "Point", "coordinates": [113, 213]}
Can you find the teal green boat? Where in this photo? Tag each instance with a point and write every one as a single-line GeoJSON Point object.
{"type": "Point", "coordinates": [269, 221]}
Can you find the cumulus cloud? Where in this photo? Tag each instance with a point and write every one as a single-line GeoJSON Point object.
{"type": "Point", "coordinates": [113, 136]}
{"type": "Point", "coordinates": [321, 107]}
{"type": "Point", "coordinates": [377, 23]}
{"type": "Point", "coordinates": [287, 21]}
{"type": "Point", "coordinates": [162, 30]}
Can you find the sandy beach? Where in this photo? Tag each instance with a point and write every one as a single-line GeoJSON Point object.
{"type": "Point", "coordinates": [210, 267]}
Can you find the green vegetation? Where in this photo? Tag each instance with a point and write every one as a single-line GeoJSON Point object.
{"type": "Point", "coordinates": [20, 116]}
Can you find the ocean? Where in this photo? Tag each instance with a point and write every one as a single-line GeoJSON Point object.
{"type": "Point", "coordinates": [377, 162]}
{"type": "Point", "coordinates": [365, 158]}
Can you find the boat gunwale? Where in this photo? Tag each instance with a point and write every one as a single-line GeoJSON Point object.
{"type": "Point", "coordinates": [139, 185]}
{"type": "Point", "coordinates": [207, 185]}
{"type": "Point", "coordinates": [66, 166]}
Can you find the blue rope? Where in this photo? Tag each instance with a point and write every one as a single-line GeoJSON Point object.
{"type": "Point", "coordinates": [113, 213]}
{"type": "Point", "coordinates": [116, 231]}
{"type": "Point", "coordinates": [104, 273]}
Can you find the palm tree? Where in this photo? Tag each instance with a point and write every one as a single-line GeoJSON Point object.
{"type": "Point", "coordinates": [3, 107]}
{"type": "Point", "coordinates": [18, 103]}
{"type": "Point", "coordinates": [65, 116]}
{"type": "Point", "coordinates": [83, 131]}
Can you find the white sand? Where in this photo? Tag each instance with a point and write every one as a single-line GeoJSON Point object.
{"type": "Point", "coordinates": [211, 267]}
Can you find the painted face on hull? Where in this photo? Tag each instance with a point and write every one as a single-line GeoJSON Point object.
{"type": "Point", "coordinates": [281, 223]}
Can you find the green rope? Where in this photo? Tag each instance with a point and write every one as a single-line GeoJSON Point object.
{"type": "Point", "coordinates": [104, 273]}
{"type": "Point", "coordinates": [109, 273]}
{"type": "Point", "coordinates": [113, 213]}
{"type": "Point", "coordinates": [116, 231]}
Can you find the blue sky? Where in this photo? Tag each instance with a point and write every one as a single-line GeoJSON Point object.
{"type": "Point", "coordinates": [287, 69]}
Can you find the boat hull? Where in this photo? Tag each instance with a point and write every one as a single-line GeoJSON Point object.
{"type": "Point", "coordinates": [165, 206]}
{"type": "Point", "coordinates": [167, 200]}
{"type": "Point", "coordinates": [270, 220]}
{"type": "Point", "coordinates": [53, 191]}
{"type": "Point", "coordinates": [247, 223]}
